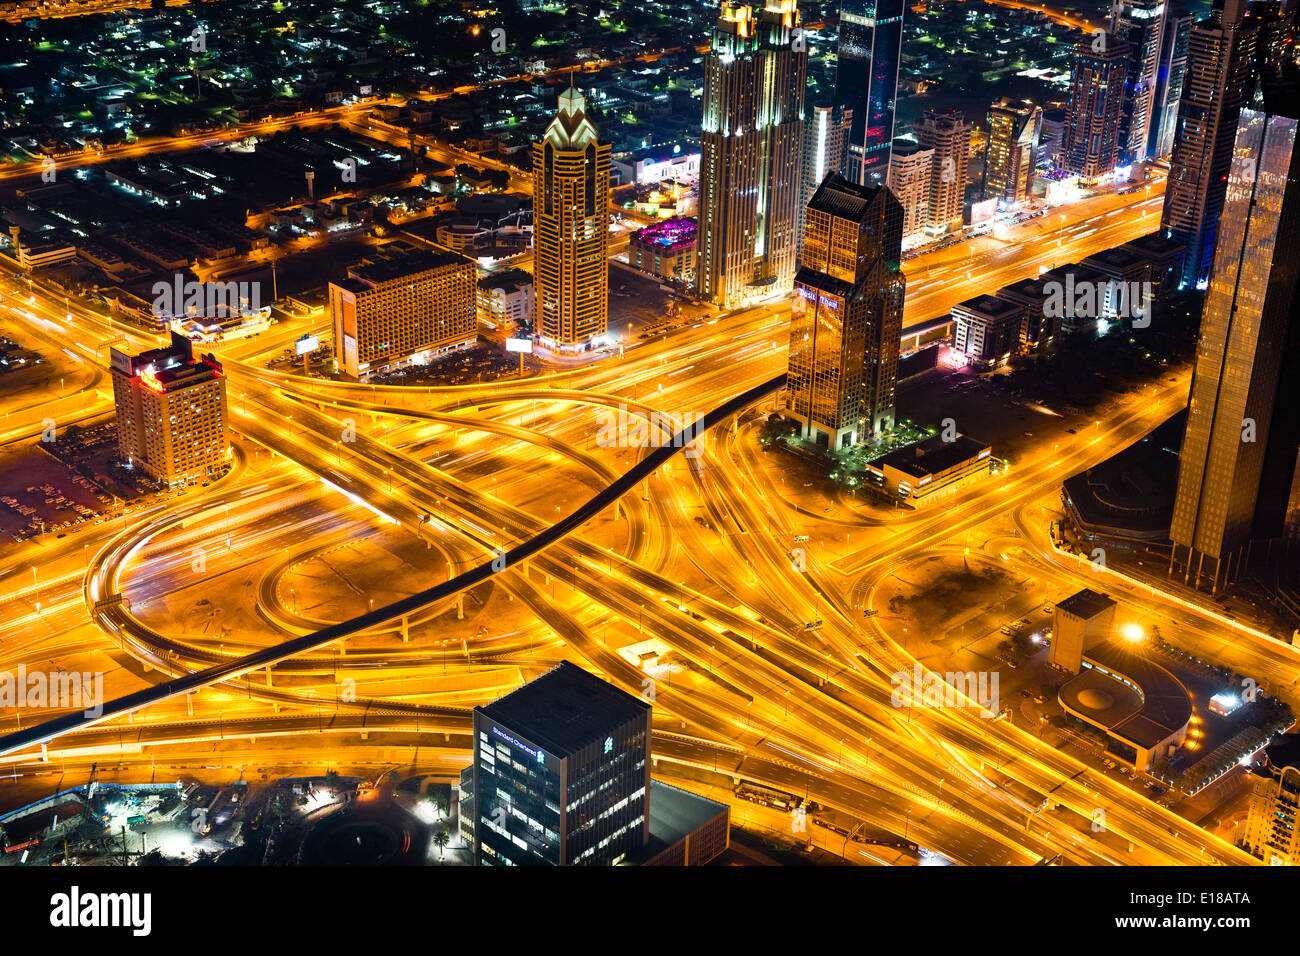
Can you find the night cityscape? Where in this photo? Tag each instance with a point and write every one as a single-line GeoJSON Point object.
{"type": "Point", "coordinates": [756, 434]}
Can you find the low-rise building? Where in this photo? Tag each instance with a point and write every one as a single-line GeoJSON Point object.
{"type": "Point", "coordinates": [931, 469]}
{"type": "Point", "coordinates": [987, 330]}
{"type": "Point", "coordinates": [666, 249]}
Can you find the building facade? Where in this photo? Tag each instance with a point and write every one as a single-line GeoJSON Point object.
{"type": "Point", "coordinates": [847, 316]}
{"type": "Point", "coordinates": [171, 411]}
{"type": "Point", "coordinates": [1170, 76]}
{"type": "Point", "coordinates": [751, 154]}
{"type": "Point", "coordinates": [868, 56]}
{"type": "Point", "coordinates": [506, 299]}
{"type": "Point", "coordinates": [825, 150]}
{"type": "Point", "coordinates": [403, 310]}
{"type": "Point", "coordinates": [1270, 831]}
{"type": "Point", "coordinates": [1091, 143]}
{"type": "Point", "coordinates": [561, 773]}
{"type": "Point", "coordinates": [1239, 450]}
{"type": "Point", "coordinates": [666, 250]}
{"type": "Point", "coordinates": [987, 329]}
{"type": "Point", "coordinates": [1140, 24]}
{"type": "Point", "coordinates": [571, 170]}
{"type": "Point", "coordinates": [1012, 152]}
{"type": "Point", "coordinates": [1219, 80]}
{"type": "Point", "coordinates": [910, 169]}
{"type": "Point", "coordinates": [948, 136]}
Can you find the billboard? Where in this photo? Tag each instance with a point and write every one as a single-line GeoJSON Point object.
{"type": "Point", "coordinates": [519, 345]}
{"type": "Point", "coordinates": [307, 343]}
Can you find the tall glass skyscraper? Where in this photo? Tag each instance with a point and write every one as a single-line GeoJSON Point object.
{"type": "Point", "coordinates": [866, 82]}
{"type": "Point", "coordinates": [1220, 79]}
{"type": "Point", "coordinates": [847, 318]}
{"type": "Point", "coordinates": [751, 154]}
{"type": "Point", "coordinates": [1239, 451]}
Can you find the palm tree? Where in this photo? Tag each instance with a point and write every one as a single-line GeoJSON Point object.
{"type": "Point", "coordinates": [441, 838]}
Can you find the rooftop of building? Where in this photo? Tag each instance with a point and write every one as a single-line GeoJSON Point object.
{"type": "Point", "coordinates": [509, 280]}
{"type": "Point", "coordinates": [674, 815]}
{"type": "Point", "coordinates": [405, 264]}
{"type": "Point", "coordinates": [933, 455]}
{"type": "Point", "coordinates": [1086, 603]}
{"type": "Point", "coordinates": [1154, 245]}
{"type": "Point", "coordinates": [670, 234]}
{"type": "Point", "coordinates": [1032, 288]}
{"type": "Point", "coordinates": [565, 709]}
{"type": "Point", "coordinates": [1166, 707]}
{"type": "Point", "coordinates": [989, 306]}
{"type": "Point", "coordinates": [838, 197]}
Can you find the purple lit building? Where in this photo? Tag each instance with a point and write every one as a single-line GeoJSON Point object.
{"type": "Point", "coordinates": [666, 249]}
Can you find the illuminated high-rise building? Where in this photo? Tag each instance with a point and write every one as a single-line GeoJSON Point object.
{"type": "Point", "coordinates": [571, 229]}
{"type": "Point", "coordinates": [171, 411]}
{"type": "Point", "coordinates": [847, 317]}
{"type": "Point", "coordinates": [866, 82]}
{"type": "Point", "coordinates": [1170, 76]}
{"type": "Point", "coordinates": [825, 150]}
{"type": "Point", "coordinates": [948, 136]}
{"type": "Point", "coordinates": [910, 169]}
{"type": "Point", "coordinates": [1220, 79]}
{"type": "Point", "coordinates": [1140, 24]}
{"type": "Point", "coordinates": [1091, 145]}
{"type": "Point", "coordinates": [1012, 151]}
{"type": "Point", "coordinates": [751, 153]}
{"type": "Point", "coordinates": [1239, 449]}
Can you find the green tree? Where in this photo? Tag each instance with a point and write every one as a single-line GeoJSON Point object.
{"type": "Point", "coordinates": [441, 837]}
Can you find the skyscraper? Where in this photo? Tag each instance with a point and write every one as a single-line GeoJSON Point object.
{"type": "Point", "coordinates": [1170, 76]}
{"type": "Point", "coordinates": [909, 180]}
{"type": "Point", "coordinates": [751, 153]}
{"type": "Point", "coordinates": [1239, 448]}
{"type": "Point", "coordinates": [1091, 144]}
{"type": "Point", "coordinates": [561, 773]}
{"type": "Point", "coordinates": [866, 82]}
{"type": "Point", "coordinates": [171, 411]}
{"type": "Point", "coordinates": [847, 317]}
{"type": "Point", "coordinates": [1012, 152]}
{"type": "Point", "coordinates": [571, 228]}
{"type": "Point", "coordinates": [949, 137]}
{"type": "Point", "coordinates": [1140, 24]}
{"type": "Point", "coordinates": [825, 150]}
{"type": "Point", "coordinates": [1219, 81]}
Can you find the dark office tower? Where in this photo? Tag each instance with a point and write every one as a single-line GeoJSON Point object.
{"type": "Point", "coordinates": [847, 319]}
{"type": "Point", "coordinates": [866, 82]}
{"type": "Point", "coordinates": [1220, 79]}
{"type": "Point", "coordinates": [561, 773]}
{"type": "Point", "coordinates": [825, 150]}
{"type": "Point", "coordinates": [1239, 449]}
{"type": "Point", "coordinates": [1139, 23]}
{"type": "Point", "coordinates": [1012, 151]}
{"type": "Point", "coordinates": [949, 137]}
{"type": "Point", "coordinates": [751, 146]}
{"type": "Point", "coordinates": [1091, 144]}
{"type": "Point", "coordinates": [1169, 82]}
